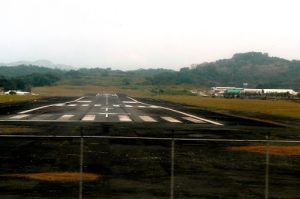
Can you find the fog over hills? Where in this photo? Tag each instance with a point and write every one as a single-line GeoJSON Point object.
{"type": "Point", "coordinates": [41, 62]}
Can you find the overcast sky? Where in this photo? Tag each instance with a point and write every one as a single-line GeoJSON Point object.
{"type": "Point", "coordinates": [130, 34]}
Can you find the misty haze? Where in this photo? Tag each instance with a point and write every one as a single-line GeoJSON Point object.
{"type": "Point", "coordinates": [149, 99]}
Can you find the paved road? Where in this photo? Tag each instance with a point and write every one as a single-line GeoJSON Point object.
{"type": "Point", "coordinates": [107, 108]}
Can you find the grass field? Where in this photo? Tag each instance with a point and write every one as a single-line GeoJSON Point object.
{"type": "Point", "coordinates": [67, 90]}
{"type": "Point", "coordinates": [277, 108]}
{"type": "Point", "coordinates": [16, 98]}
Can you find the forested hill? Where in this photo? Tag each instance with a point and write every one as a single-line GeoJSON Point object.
{"type": "Point", "coordinates": [259, 70]}
{"type": "Point", "coordinates": [256, 69]}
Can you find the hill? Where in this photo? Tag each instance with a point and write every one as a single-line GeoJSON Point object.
{"type": "Point", "coordinates": [257, 69]}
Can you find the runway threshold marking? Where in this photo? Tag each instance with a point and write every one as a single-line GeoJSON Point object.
{"type": "Point", "coordinates": [116, 105]}
{"type": "Point", "coordinates": [171, 119]}
{"type": "Point", "coordinates": [191, 119]}
{"type": "Point", "coordinates": [180, 112]}
{"type": "Point", "coordinates": [20, 116]}
{"type": "Point", "coordinates": [124, 118]}
{"type": "Point", "coordinates": [89, 118]}
{"type": "Point", "coordinates": [147, 119]}
{"type": "Point", "coordinates": [65, 117]}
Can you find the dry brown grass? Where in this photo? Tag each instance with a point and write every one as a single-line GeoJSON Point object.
{"type": "Point", "coordinates": [65, 90]}
{"type": "Point", "coordinates": [56, 176]}
{"type": "Point", "coordinates": [281, 108]}
{"type": "Point", "coordinates": [274, 150]}
{"type": "Point", "coordinates": [17, 98]}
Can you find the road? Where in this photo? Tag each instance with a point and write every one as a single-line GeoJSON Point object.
{"type": "Point", "coordinates": [107, 108]}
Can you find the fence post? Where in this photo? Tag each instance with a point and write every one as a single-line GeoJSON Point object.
{"type": "Point", "coordinates": [81, 164]}
{"type": "Point", "coordinates": [172, 166]}
{"type": "Point", "coordinates": [267, 168]}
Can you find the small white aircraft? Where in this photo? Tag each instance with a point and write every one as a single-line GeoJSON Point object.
{"type": "Point", "coordinates": [16, 92]}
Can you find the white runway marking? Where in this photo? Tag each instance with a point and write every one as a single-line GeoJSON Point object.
{"type": "Point", "coordinates": [191, 119]}
{"type": "Point", "coordinates": [171, 119]}
{"type": "Point", "coordinates": [65, 117]}
{"type": "Point", "coordinates": [128, 106]}
{"type": "Point", "coordinates": [72, 105]}
{"type": "Point", "coordinates": [97, 105]}
{"type": "Point", "coordinates": [152, 106]}
{"type": "Point", "coordinates": [89, 118]}
{"type": "Point", "coordinates": [106, 99]}
{"type": "Point", "coordinates": [116, 105]}
{"type": "Point", "coordinates": [147, 119]}
{"type": "Point", "coordinates": [59, 104]}
{"type": "Point", "coordinates": [85, 105]}
{"type": "Point", "coordinates": [34, 109]}
{"type": "Point", "coordinates": [124, 118]}
{"type": "Point", "coordinates": [141, 106]}
{"type": "Point", "coordinates": [84, 101]}
{"type": "Point", "coordinates": [180, 112]}
{"type": "Point", "coordinates": [130, 102]}
{"type": "Point", "coordinates": [20, 116]}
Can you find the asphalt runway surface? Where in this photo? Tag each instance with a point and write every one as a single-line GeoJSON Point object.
{"type": "Point", "coordinates": [107, 108]}
{"type": "Point", "coordinates": [140, 149]}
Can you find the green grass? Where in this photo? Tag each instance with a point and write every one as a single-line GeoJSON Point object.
{"type": "Point", "coordinates": [16, 98]}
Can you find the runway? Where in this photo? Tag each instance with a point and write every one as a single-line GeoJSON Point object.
{"type": "Point", "coordinates": [104, 107]}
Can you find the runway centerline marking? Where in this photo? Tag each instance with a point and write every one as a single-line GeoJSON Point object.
{"type": "Point", "coordinates": [106, 99]}
{"type": "Point", "coordinates": [171, 119]}
{"type": "Point", "coordinates": [84, 101]}
{"type": "Point", "coordinates": [128, 106]}
{"type": "Point", "coordinates": [97, 105]}
{"type": "Point", "coordinates": [72, 105]}
{"type": "Point", "coordinates": [116, 105]}
{"type": "Point", "coordinates": [85, 105]}
{"type": "Point", "coordinates": [147, 119]}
